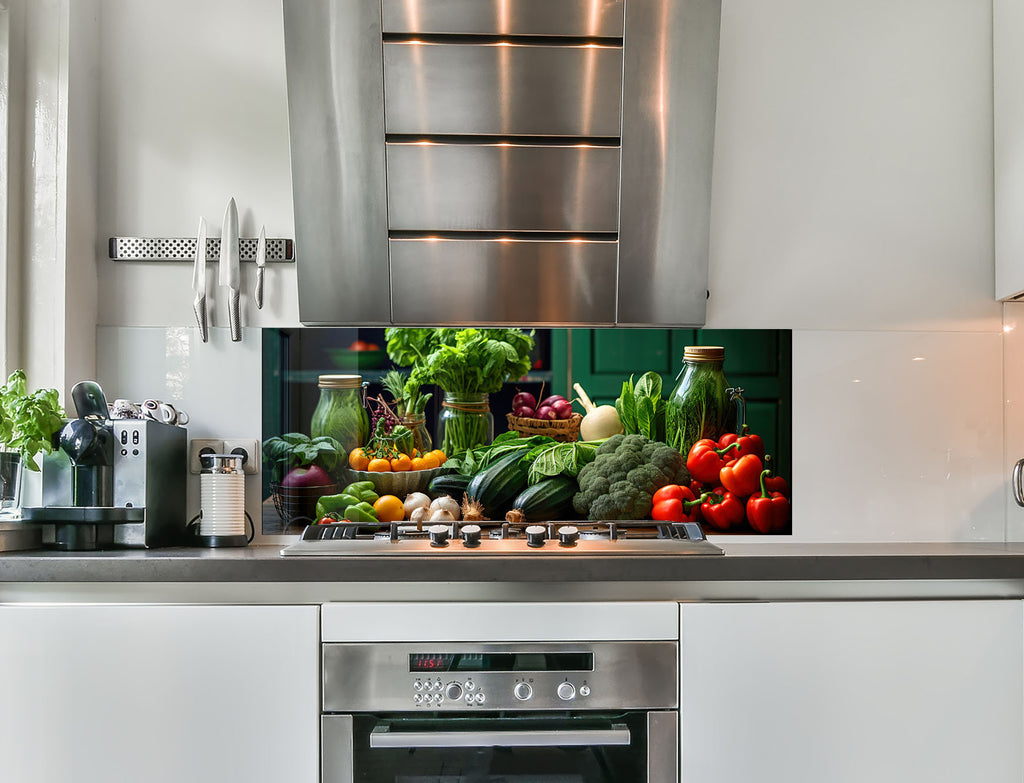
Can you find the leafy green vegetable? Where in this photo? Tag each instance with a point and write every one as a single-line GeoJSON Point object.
{"type": "Point", "coordinates": [28, 421]}
{"type": "Point", "coordinates": [475, 460]}
{"type": "Point", "coordinates": [405, 390]}
{"type": "Point", "coordinates": [566, 459]}
{"type": "Point", "coordinates": [294, 449]}
{"type": "Point", "coordinates": [462, 360]}
{"type": "Point", "coordinates": [340, 414]}
{"type": "Point", "coordinates": [641, 408]}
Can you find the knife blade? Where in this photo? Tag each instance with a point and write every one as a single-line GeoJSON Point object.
{"type": "Point", "coordinates": [199, 282]}
{"type": "Point", "coordinates": [261, 262]}
{"type": "Point", "coordinates": [229, 274]}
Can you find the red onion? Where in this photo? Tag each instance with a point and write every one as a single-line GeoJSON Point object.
{"type": "Point", "coordinates": [562, 408]}
{"type": "Point", "coordinates": [524, 400]}
{"type": "Point", "coordinates": [546, 412]}
{"type": "Point", "coordinates": [524, 412]}
{"type": "Point", "coordinates": [551, 400]}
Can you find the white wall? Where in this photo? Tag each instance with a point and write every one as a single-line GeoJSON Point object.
{"type": "Point", "coordinates": [852, 203]}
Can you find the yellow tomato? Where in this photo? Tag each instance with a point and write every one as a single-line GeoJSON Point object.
{"type": "Point", "coordinates": [389, 509]}
{"type": "Point", "coordinates": [401, 463]}
{"type": "Point", "coordinates": [439, 456]}
{"type": "Point", "coordinates": [379, 466]}
{"type": "Point", "coordinates": [429, 461]}
{"type": "Point", "coordinates": [357, 460]}
{"type": "Point", "coordinates": [418, 463]}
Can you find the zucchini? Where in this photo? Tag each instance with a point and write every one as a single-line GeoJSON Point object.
{"type": "Point", "coordinates": [497, 485]}
{"type": "Point", "coordinates": [452, 484]}
{"type": "Point", "coordinates": [550, 499]}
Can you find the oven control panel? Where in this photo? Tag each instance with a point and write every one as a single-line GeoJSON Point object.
{"type": "Point", "coordinates": [478, 677]}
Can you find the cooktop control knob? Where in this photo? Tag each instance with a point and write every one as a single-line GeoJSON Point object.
{"type": "Point", "coordinates": [535, 535]}
{"type": "Point", "coordinates": [453, 691]}
{"type": "Point", "coordinates": [438, 535]}
{"type": "Point", "coordinates": [568, 535]}
{"type": "Point", "coordinates": [522, 691]}
{"type": "Point", "coordinates": [471, 535]}
{"type": "Point", "coordinates": [566, 691]}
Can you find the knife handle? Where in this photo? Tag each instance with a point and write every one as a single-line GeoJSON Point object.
{"type": "Point", "coordinates": [199, 306]}
{"type": "Point", "coordinates": [258, 294]}
{"type": "Point", "coordinates": [234, 317]}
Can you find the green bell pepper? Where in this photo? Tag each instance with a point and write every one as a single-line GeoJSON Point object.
{"type": "Point", "coordinates": [361, 512]}
{"type": "Point", "coordinates": [334, 504]}
{"type": "Point", "coordinates": [364, 490]}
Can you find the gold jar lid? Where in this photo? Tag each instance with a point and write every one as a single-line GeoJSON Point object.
{"type": "Point", "coordinates": [704, 353]}
{"type": "Point", "coordinates": [340, 381]}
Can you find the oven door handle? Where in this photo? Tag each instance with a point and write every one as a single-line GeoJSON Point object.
{"type": "Point", "coordinates": [382, 737]}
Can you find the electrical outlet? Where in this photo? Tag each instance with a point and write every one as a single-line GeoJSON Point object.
{"type": "Point", "coordinates": [249, 448]}
{"type": "Point", "coordinates": [199, 446]}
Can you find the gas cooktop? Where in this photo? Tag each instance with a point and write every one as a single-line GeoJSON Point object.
{"type": "Point", "coordinates": [547, 539]}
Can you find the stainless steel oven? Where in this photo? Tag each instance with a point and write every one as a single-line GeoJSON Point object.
{"type": "Point", "coordinates": [518, 712]}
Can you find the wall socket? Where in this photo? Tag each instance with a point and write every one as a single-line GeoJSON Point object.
{"type": "Point", "coordinates": [248, 447]}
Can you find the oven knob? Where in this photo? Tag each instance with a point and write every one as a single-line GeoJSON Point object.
{"type": "Point", "coordinates": [417, 685]}
{"type": "Point", "coordinates": [438, 535]}
{"type": "Point", "coordinates": [584, 690]}
{"type": "Point", "coordinates": [568, 535]}
{"type": "Point", "coordinates": [470, 685]}
{"type": "Point", "coordinates": [471, 535]}
{"type": "Point", "coordinates": [535, 535]}
{"type": "Point", "coordinates": [522, 691]}
{"type": "Point", "coordinates": [453, 692]}
{"type": "Point", "coordinates": [417, 699]}
{"type": "Point", "coordinates": [566, 691]}
{"type": "Point", "coordinates": [479, 697]}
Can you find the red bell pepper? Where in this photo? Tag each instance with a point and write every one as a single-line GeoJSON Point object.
{"type": "Point", "coordinates": [705, 460]}
{"type": "Point", "coordinates": [748, 444]}
{"type": "Point", "coordinates": [776, 484]}
{"type": "Point", "coordinates": [674, 503]}
{"type": "Point", "coordinates": [722, 509]}
{"type": "Point", "coordinates": [769, 511]}
{"type": "Point", "coordinates": [742, 476]}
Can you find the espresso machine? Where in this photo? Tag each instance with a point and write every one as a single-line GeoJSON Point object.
{"type": "Point", "coordinates": [112, 482]}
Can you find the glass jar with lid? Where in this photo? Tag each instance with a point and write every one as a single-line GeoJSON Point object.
{"type": "Point", "coordinates": [702, 404]}
{"type": "Point", "coordinates": [339, 412]}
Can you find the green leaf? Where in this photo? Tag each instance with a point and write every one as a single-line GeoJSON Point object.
{"type": "Point", "coordinates": [649, 385]}
{"type": "Point", "coordinates": [626, 407]}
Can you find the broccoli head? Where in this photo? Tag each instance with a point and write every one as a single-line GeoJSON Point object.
{"type": "Point", "coordinates": [625, 473]}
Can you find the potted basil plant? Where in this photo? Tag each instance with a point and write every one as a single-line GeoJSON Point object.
{"type": "Point", "coordinates": [28, 423]}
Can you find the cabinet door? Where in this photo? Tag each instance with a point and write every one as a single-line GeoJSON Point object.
{"type": "Point", "coordinates": [887, 691]}
{"type": "Point", "coordinates": [160, 694]}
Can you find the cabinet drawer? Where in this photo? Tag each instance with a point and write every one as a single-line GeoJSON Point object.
{"type": "Point", "coordinates": [502, 89]}
{"type": "Point", "coordinates": [502, 281]}
{"type": "Point", "coordinates": [502, 187]}
{"type": "Point", "coordinates": [502, 17]}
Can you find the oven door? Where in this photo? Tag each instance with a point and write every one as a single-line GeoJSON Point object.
{"type": "Point", "coordinates": [638, 747]}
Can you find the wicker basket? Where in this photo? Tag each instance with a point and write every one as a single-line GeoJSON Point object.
{"type": "Point", "coordinates": [562, 430]}
{"type": "Point", "coordinates": [297, 505]}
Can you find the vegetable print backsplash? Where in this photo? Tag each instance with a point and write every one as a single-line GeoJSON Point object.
{"type": "Point", "coordinates": [551, 424]}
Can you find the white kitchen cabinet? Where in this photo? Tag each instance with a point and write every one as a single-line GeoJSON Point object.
{"type": "Point", "coordinates": [159, 694]}
{"type": "Point", "coordinates": [852, 692]}
{"type": "Point", "coordinates": [1008, 139]}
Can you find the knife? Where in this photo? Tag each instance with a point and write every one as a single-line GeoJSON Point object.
{"type": "Point", "coordinates": [261, 262]}
{"type": "Point", "coordinates": [229, 275]}
{"type": "Point", "coordinates": [199, 281]}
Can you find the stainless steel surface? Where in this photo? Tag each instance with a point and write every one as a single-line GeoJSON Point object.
{"type": "Point", "coordinates": [662, 733]}
{"type": "Point", "coordinates": [505, 89]}
{"type": "Point", "coordinates": [517, 105]}
{"type": "Point", "coordinates": [18, 536]}
{"type": "Point", "coordinates": [229, 272]}
{"type": "Point", "coordinates": [335, 76]}
{"type": "Point", "coordinates": [558, 282]}
{"type": "Point", "coordinates": [669, 92]}
{"type": "Point", "coordinates": [383, 737]}
{"type": "Point", "coordinates": [502, 187]}
{"type": "Point", "coordinates": [598, 18]}
{"type": "Point", "coordinates": [169, 249]}
{"type": "Point", "coordinates": [1018, 489]}
{"type": "Point", "coordinates": [199, 282]}
{"type": "Point", "coordinates": [261, 262]}
{"type": "Point", "coordinates": [336, 746]}
{"type": "Point", "coordinates": [376, 678]}
{"type": "Point", "coordinates": [489, 547]}
{"type": "Point", "coordinates": [221, 463]}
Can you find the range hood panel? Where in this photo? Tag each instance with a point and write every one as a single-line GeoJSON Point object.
{"type": "Point", "coordinates": [580, 133]}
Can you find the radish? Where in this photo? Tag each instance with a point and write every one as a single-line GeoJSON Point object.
{"type": "Point", "coordinates": [546, 412]}
{"type": "Point", "coordinates": [601, 421]}
{"type": "Point", "coordinates": [524, 400]}
{"type": "Point", "coordinates": [524, 412]}
{"type": "Point", "coordinates": [562, 408]}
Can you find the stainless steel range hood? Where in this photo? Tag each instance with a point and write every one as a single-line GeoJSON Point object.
{"type": "Point", "coordinates": [543, 162]}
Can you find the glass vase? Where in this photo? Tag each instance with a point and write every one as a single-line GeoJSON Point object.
{"type": "Point", "coordinates": [420, 434]}
{"type": "Point", "coordinates": [11, 470]}
{"type": "Point", "coordinates": [465, 422]}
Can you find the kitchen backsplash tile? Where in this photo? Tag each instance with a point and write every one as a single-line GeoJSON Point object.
{"type": "Point", "coordinates": [1013, 407]}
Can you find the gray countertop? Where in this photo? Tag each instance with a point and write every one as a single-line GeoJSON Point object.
{"type": "Point", "coordinates": [747, 570]}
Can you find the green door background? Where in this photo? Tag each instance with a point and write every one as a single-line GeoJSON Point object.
{"type": "Point", "coordinates": [757, 360]}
